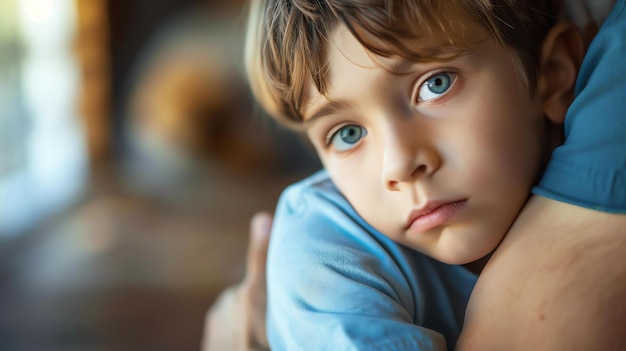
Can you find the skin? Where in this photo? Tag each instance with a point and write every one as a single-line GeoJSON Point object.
{"type": "Point", "coordinates": [557, 282]}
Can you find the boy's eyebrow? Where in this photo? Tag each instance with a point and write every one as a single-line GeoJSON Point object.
{"type": "Point", "coordinates": [327, 108]}
{"type": "Point", "coordinates": [401, 66]}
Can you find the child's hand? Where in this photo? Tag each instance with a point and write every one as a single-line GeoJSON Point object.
{"type": "Point", "coordinates": [236, 321]}
{"type": "Point", "coordinates": [587, 15]}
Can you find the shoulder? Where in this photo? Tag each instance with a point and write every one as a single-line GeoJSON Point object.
{"type": "Point", "coordinates": [316, 227]}
{"type": "Point", "coordinates": [324, 254]}
{"type": "Point", "coordinates": [310, 195]}
{"type": "Point", "coordinates": [589, 169]}
{"type": "Point", "coordinates": [314, 211]}
{"type": "Point", "coordinates": [609, 44]}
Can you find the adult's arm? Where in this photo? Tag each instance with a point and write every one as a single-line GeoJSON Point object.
{"type": "Point", "coordinates": [558, 280]}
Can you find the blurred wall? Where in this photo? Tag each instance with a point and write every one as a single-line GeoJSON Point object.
{"type": "Point", "coordinates": [42, 141]}
{"type": "Point", "coordinates": [181, 104]}
{"type": "Point", "coordinates": [148, 91]}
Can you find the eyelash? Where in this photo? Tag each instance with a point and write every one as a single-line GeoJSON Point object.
{"type": "Point", "coordinates": [334, 132]}
{"type": "Point", "coordinates": [421, 83]}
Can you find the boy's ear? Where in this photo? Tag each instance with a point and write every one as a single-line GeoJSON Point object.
{"type": "Point", "coordinates": [562, 54]}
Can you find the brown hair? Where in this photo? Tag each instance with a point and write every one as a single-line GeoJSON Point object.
{"type": "Point", "coordinates": [286, 40]}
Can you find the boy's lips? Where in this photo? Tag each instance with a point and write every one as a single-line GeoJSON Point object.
{"type": "Point", "coordinates": [433, 214]}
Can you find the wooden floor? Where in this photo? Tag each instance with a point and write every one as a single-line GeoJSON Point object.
{"type": "Point", "coordinates": [123, 271]}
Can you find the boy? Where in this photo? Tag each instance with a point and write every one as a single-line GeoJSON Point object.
{"type": "Point", "coordinates": [433, 137]}
{"type": "Point", "coordinates": [442, 84]}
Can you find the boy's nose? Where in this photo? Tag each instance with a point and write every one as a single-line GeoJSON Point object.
{"type": "Point", "coordinates": [406, 160]}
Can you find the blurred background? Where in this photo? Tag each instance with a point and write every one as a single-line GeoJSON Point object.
{"type": "Point", "coordinates": [132, 157]}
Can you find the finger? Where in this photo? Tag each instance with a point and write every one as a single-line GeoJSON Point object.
{"type": "Point", "coordinates": [260, 229]}
{"type": "Point", "coordinates": [223, 329]}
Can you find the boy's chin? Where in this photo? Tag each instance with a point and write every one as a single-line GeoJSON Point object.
{"type": "Point", "coordinates": [476, 259]}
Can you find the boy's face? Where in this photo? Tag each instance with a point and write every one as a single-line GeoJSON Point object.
{"type": "Point", "coordinates": [440, 159]}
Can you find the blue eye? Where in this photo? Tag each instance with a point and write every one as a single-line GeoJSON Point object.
{"type": "Point", "coordinates": [347, 137]}
{"type": "Point", "coordinates": [436, 86]}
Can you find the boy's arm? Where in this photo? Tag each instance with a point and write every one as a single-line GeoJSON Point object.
{"type": "Point", "coordinates": [557, 282]}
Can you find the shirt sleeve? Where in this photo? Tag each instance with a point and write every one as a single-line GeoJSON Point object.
{"type": "Point", "coordinates": [589, 169]}
{"type": "Point", "coordinates": [331, 286]}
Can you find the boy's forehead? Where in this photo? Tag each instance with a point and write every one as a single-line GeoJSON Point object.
{"type": "Point", "coordinates": [344, 53]}
{"type": "Point", "coordinates": [431, 48]}
{"type": "Point", "coordinates": [344, 48]}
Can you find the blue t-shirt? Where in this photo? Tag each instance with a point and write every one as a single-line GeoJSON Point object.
{"type": "Point", "coordinates": [335, 283]}
{"type": "Point", "coordinates": [589, 170]}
